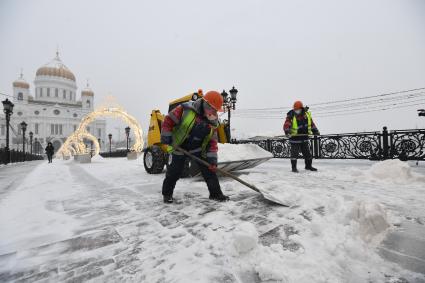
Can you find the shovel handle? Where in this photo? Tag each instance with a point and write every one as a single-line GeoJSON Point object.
{"type": "Point", "coordinates": [224, 172]}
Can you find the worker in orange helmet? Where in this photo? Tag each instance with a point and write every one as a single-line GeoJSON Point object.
{"type": "Point", "coordinates": [193, 127]}
{"type": "Point", "coordinates": [298, 127]}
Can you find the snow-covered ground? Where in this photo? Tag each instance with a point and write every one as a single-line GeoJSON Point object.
{"type": "Point", "coordinates": [353, 221]}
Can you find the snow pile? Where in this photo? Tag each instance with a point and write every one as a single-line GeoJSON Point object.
{"type": "Point", "coordinates": [97, 157]}
{"type": "Point", "coordinates": [235, 152]}
{"type": "Point", "coordinates": [345, 233]}
{"type": "Point", "coordinates": [389, 171]}
{"type": "Point", "coordinates": [392, 170]}
{"type": "Point", "coordinates": [270, 267]}
{"type": "Point", "coordinates": [245, 237]}
{"type": "Point", "coordinates": [371, 218]}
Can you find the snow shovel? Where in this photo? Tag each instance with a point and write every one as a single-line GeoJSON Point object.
{"type": "Point", "coordinates": [266, 195]}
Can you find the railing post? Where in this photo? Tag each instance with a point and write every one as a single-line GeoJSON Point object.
{"type": "Point", "coordinates": [385, 146]}
{"type": "Point", "coordinates": [269, 145]}
{"type": "Point", "coordinates": [391, 146]}
{"type": "Point", "coordinates": [316, 147]}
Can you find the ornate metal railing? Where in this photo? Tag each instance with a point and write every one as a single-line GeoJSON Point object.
{"type": "Point", "coordinates": [407, 144]}
{"type": "Point", "coordinates": [13, 156]}
{"type": "Point", "coordinates": [402, 144]}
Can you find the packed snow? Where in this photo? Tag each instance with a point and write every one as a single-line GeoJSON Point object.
{"type": "Point", "coordinates": [333, 230]}
{"type": "Point", "coordinates": [245, 237]}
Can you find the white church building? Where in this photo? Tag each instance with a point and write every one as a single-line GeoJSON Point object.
{"type": "Point", "coordinates": [53, 112]}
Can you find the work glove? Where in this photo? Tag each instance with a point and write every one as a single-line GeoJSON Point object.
{"type": "Point", "coordinates": [212, 168]}
{"type": "Point", "coordinates": [167, 148]}
{"type": "Point", "coordinates": [287, 134]}
{"type": "Point", "coordinates": [166, 139]}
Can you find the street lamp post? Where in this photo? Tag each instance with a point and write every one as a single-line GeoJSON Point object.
{"type": "Point", "coordinates": [98, 140]}
{"type": "Point", "coordinates": [8, 111]}
{"type": "Point", "coordinates": [127, 133]}
{"type": "Point", "coordinates": [110, 144]}
{"type": "Point", "coordinates": [229, 103]}
{"type": "Point", "coordinates": [23, 128]}
{"type": "Point", "coordinates": [36, 146]}
{"type": "Point", "coordinates": [31, 135]}
{"type": "Point", "coordinates": [91, 148]}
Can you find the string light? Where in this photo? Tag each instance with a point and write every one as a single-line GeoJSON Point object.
{"type": "Point", "coordinates": [74, 144]}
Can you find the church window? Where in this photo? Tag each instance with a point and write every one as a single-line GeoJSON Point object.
{"type": "Point", "coordinates": [64, 93]}
{"type": "Point", "coordinates": [48, 92]}
{"type": "Point", "coordinates": [75, 115]}
{"type": "Point", "coordinates": [99, 132]}
{"type": "Point", "coordinates": [56, 92]}
{"type": "Point", "coordinates": [19, 113]}
{"type": "Point", "coordinates": [19, 131]}
{"type": "Point", "coordinates": [36, 128]}
{"type": "Point", "coordinates": [88, 103]}
{"type": "Point", "coordinates": [56, 112]}
{"type": "Point", "coordinates": [41, 91]}
{"type": "Point", "coordinates": [88, 129]}
{"type": "Point", "coordinates": [75, 128]}
{"type": "Point", "coordinates": [20, 96]}
{"type": "Point", "coordinates": [52, 129]}
{"type": "Point", "coordinates": [56, 129]}
{"type": "Point", "coordinates": [3, 130]}
{"type": "Point", "coordinates": [60, 129]}
{"type": "Point", "coordinates": [36, 112]}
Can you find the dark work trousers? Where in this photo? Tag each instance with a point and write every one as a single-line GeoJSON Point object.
{"type": "Point", "coordinates": [49, 157]}
{"type": "Point", "coordinates": [302, 146]}
{"type": "Point", "coordinates": [175, 170]}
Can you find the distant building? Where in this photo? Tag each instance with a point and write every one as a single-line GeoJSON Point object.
{"type": "Point", "coordinates": [54, 112]}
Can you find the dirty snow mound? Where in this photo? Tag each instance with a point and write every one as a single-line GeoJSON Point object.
{"type": "Point", "coordinates": [245, 238]}
{"type": "Point", "coordinates": [371, 218]}
{"type": "Point", "coordinates": [234, 152]}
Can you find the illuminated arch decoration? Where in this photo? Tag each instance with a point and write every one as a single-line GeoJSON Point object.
{"type": "Point", "coordinates": [71, 151]}
{"type": "Point", "coordinates": [74, 144]}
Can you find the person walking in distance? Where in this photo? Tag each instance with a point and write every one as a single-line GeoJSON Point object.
{"type": "Point", "coordinates": [298, 127]}
{"type": "Point", "coordinates": [50, 150]}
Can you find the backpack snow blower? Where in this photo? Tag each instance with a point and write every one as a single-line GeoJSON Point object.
{"type": "Point", "coordinates": [154, 159]}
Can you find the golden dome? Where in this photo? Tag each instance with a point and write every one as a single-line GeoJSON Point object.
{"type": "Point", "coordinates": [20, 82]}
{"type": "Point", "coordinates": [56, 68]}
{"type": "Point", "coordinates": [87, 91]}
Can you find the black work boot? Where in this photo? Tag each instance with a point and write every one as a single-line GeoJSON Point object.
{"type": "Point", "coordinates": [294, 166]}
{"type": "Point", "coordinates": [308, 165]}
{"type": "Point", "coordinates": [219, 197]}
{"type": "Point", "coordinates": [168, 199]}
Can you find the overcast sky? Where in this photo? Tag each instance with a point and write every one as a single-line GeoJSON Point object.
{"type": "Point", "coordinates": [146, 53]}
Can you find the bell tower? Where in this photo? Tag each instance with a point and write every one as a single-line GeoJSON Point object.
{"type": "Point", "coordinates": [87, 97]}
{"type": "Point", "coordinates": [21, 90]}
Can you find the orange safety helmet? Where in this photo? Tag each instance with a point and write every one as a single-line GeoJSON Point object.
{"type": "Point", "coordinates": [214, 99]}
{"type": "Point", "coordinates": [298, 105]}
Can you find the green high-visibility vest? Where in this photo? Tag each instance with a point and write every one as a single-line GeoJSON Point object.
{"type": "Point", "coordinates": [182, 131]}
{"type": "Point", "coordinates": [294, 129]}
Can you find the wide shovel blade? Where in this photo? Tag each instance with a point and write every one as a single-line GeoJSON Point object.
{"type": "Point", "coordinates": [269, 196]}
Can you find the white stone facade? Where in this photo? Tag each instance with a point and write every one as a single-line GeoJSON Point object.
{"type": "Point", "coordinates": [53, 112]}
